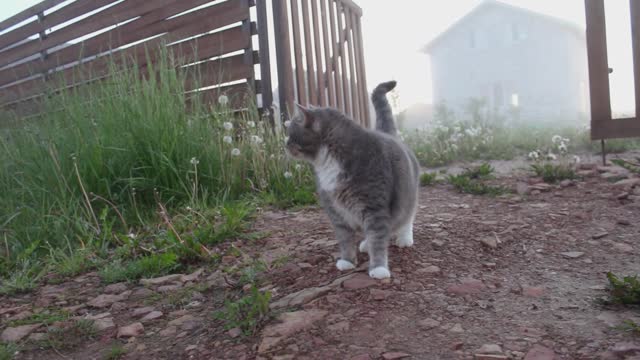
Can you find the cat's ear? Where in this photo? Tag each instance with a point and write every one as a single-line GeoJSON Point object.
{"type": "Point", "coordinates": [307, 116]}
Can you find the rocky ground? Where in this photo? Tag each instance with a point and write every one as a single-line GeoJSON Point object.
{"type": "Point", "coordinates": [514, 277]}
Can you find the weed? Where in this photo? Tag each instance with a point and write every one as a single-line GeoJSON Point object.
{"type": "Point", "coordinates": [23, 280]}
{"type": "Point", "coordinates": [471, 181]}
{"type": "Point", "coordinates": [70, 335]}
{"type": "Point", "coordinates": [630, 326]}
{"type": "Point", "coordinates": [147, 267]}
{"type": "Point", "coordinates": [428, 179]}
{"type": "Point", "coordinates": [552, 173]}
{"type": "Point", "coordinates": [634, 167]}
{"type": "Point", "coordinates": [8, 351]}
{"type": "Point", "coordinates": [66, 265]}
{"type": "Point", "coordinates": [624, 291]}
{"type": "Point", "coordinates": [115, 352]}
{"type": "Point", "coordinates": [246, 313]}
{"type": "Point", "coordinates": [46, 318]}
{"type": "Point", "coordinates": [250, 274]}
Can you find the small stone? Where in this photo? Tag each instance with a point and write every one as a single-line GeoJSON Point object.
{"type": "Point", "coordinates": [290, 323]}
{"type": "Point", "coordinates": [428, 323]}
{"type": "Point", "coordinates": [186, 322]}
{"type": "Point", "coordinates": [116, 288]}
{"type": "Point", "coordinates": [543, 187]}
{"type": "Point", "coordinates": [342, 326]}
{"type": "Point", "coordinates": [489, 349]}
{"type": "Point", "coordinates": [627, 184]}
{"type": "Point", "coordinates": [600, 235]}
{"type": "Point", "coordinates": [534, 291]}
{"type": "Point", "coordinates": [301, 297]}
{"type": "Point", "coordinates": [395, 355]}
{"type": "Point", "coordinates": [623, 195]}
{"type": "Point", "coordinates": [37, 337]}
{"type": "Point", "coordinates": [379, 295]}
{"type": "Point", "coordinates": [132, 330]}
{"type": "Point", "coordinates": [141, 294]}
{"type": "Point", "coordinates": [104, 324]}
{"type": "Point", "coordinates": [190, 348]}
{"type": "Point", "coordinates": [192, 277]}
{"type": "Point", "coordinates": [572, 254]}
{"type": "Point", "coordinates": [625, 248]}
{"type": "Point", "coordinates": [457, 328]}
{"type": "Point", "coordinates": [522, 188]}
{"type": "Point", "coordinates": [539, 352]}
{"type": "Point", "coordinates": [162, 280]}
{"type": "Point", "coordinates": [360, 281]}
{"type": "Point", "coordinates": [467, 287]}
{"type": "Point", "coordinates": [106, 300]}
{"type": "Point", "coordinates": [490, 242]}
{"type": "Point", "coordinates": [118, 306]}
{"type": "Point", "coordinates": [15, 334]}
{"type": "Point", "coordinates": [624, 222]}
{"type": "Point", "coordinates": [142, 311]}
{"type": "Point", "coordinates": [169, 331]}
{"type": "Point", "coordinates": [626, 349]}
{"type": "Point", "coordinates": [457, 345]}
{"type": "Point", "coordinates": [169, 288]}
{"type": "Point", "coordinates": [566, 183]}
{"type": "Point", "coordinates": [437, 243]}
{"type": "Point", "coordinates": [235, 332]}
{"type": "Point", "coordinates": [152, 316]}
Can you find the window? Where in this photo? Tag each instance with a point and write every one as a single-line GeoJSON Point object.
{"type": "Point", "coordinates": [515, 100]}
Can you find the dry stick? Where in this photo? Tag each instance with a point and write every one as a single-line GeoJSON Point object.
{"type": "Point", "coordinates": [86, 197]}
{"type": "Point", "coordinates": [98, 197]}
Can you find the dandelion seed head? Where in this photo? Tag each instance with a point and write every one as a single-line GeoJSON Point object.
{"type": "Point", "coordinates": [251, 124]}
{"type": "Point", "coordinates": [194, 161]}
{"type": "Point", "coordinates": [287, 174]}
{"type": "Point", "coordinates": [235, 152]}
{"type": "Point", "coordinates": [223, 99]}
{"type": "Point", "coordinates": [255, 139]}
{"type": "Point", "coordinates": [556, 139]}
{"type": "Point", "coordinates": [227, 125]}
{"type": "Point", "coordinates": [227, 139]}
{"type": "Point", "coordinates": [298, 166]}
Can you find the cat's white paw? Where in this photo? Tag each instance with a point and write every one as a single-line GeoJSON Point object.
{"type": "Point", "coordinates": [363, 247]}
{"type": "Point", "coordinates": [405, 240]}
{"type": "Point", "coordinates": [343, 265]}
{"type": "Point", "coordinates": [380, 272]}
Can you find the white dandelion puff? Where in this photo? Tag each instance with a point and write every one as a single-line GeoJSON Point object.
{"type": "Point", "coordinates": [556, 139]}
{"type": "Point", "coordinates": [255, 139]}
{"type": "Point", "coordinates": [235, 152]}
{"type": "Point", "coordinates": [562, 147]}
{"type": "Point", "coordinates": [223, 99]}
{"type": "Point", "coordinates": [534, 155]}
{"type": "Point", "coordinates": [298, 166]}
{"type": "Point", "coordinates": [227, 139]}
{"type": "Point", "coordinates": [194, 161]}
{"type": "Point", "coordinates": [227, 125]}
{"type": "Point", "coordinates": [287, 174]}
{"type": "Point", "coordinates": [287, 123]}
{"type": "Point", "coordinates": [576, 159]}
{"type": "Point", "coordinates": [551, 156]}
{"type": "Point", "coordinates": [131, 235]}
{"type": "Point", "coordinates": [251, 124]}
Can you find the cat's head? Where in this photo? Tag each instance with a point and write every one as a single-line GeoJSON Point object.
{"type": "Point", "coordinates": [306, 132]}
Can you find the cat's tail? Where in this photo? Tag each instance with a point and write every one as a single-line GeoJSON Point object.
{"type": "Point", "coordinates": [384, 115]}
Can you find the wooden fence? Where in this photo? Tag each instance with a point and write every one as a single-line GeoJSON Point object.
{"type": "Point", "coordinates": [60, 44]}
{"type": "Point", "coordinates": [328, 55]}
{"type": "Point", "coordinates": [602, 124]}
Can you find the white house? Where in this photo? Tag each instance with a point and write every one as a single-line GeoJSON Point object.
{"type": "Point", "coordinates": [516, 59]}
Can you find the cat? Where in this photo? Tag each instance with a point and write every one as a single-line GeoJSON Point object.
{"type": "Point", "coordinates": [366, 179]}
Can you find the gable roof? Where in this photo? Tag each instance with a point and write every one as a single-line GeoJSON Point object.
{"type": "Point", "coordinates": [490, 4]}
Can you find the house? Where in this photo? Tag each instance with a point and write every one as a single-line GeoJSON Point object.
{"type": "Point", "coordinates": [521, 62]}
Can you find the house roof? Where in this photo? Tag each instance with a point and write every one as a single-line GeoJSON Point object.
{"type": "Point", "coordinates": [489, 4]}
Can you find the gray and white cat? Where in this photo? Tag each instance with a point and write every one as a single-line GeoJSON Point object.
{"type": "Point", "coordinates": [366, 180]}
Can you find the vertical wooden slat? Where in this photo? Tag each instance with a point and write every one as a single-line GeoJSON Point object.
{"type": "Point", "coordinates": [362, 73]}
{"type": "Point", "coordinates": [634, 7]}
{"type": "Point", "coordinates": [336, 54]}
{"type": "Point", "coordinates": [283, 57]}
{"type": "Point", "coordinates": [297, 50]}
{"type": "Point", "coordinates": [343, 61]}
{"type": "Point", "coordinates": [328, 75]}
{"type": "Point", "coordinates": [311, 69]}
{"type": "Point", "coordinates": [318, 51]}
{"type": "Point", "coordinates": [265, 61]}
{"type": "Point", "coordinates": [352, 68]}
{"type": "Point", "coordinates": [248, 51]}
{"type": "Point", "coordinates": [598, 67]}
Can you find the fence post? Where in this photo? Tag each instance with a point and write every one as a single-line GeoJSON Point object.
{"type": "Point", "coordinates": [265, 60]}
{"type": "Point", "coordinates": [283, 57]}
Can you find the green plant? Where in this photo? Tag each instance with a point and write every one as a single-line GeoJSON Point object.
{"type": "Point", "coordinates": [471, 181]}
{"type": "Point", "coordinates": [428, 179]}
{"type": "Point", "coordinates": [116, 352]}
{"type": "Point", "coordinates": [70, 335]}
{"type": "Point", "coordinates": [8, 351]}
{"type": "Point", "coordinates": [630, 326]}
{"type": "Point", "coordinates": [552, 173]}
{"type": "Point", "coordinates": [147, 266]}
{"type": "Point", "coordinates": [250, 274]}
{"type": "Point", "coordinates": [634, 167]}
{"type": "Point", "coordinates": [24, 279]}
{"type": "Point", "coordinates": [246, 313]}
{"type": "Point", "coordinates": [624, 291]}
{"type": "Point", "coordinates": [46, 317]}
{"type": "Point", "coordinates": [66, 265]}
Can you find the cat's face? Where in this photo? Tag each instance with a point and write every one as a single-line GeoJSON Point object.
{"type": "Point", "coordinates": [304, 135]}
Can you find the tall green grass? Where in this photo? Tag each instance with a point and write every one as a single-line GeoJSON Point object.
{"type": "Point", "coordinates": [103, 156]}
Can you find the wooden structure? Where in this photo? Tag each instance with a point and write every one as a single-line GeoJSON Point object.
{"type": "Point", "coordinates": [60, 44]}
{"type": "Point", "coordinates": [603, 126]}
{"type": "Point", "coordinates": [327, 67]}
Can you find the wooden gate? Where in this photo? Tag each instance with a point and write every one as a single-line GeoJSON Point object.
{"type": "Point", "coordinates": [603, 126]}
{"type": "Point", "coordinates": [327, 66]}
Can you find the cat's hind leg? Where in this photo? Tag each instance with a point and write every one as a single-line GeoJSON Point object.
{"type": "Point", "coordinates": [404, 235]}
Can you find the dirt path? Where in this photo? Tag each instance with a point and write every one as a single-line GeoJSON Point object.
{"type": "Point", "coordinates": [513, 277]}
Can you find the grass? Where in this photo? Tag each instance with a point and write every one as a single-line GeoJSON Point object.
{"type": "Point", "coordinates": [116, 352]}
{"type": "Point", "coordinates": [144, 267]}
{"type": "Point", "coordinates": [70, 335]}
{"type": "Point", "coordinates": [472, 181]}
{"type": "Point", "coordinates": [128, 157]}
{"type": "Point", "coordinates": [634, 167]}
{"type": "Point", "coordinates": [428, 179]}
{"type": "Point", "coordinates": [553, 173]}
{"type": "Point", "coordinates": [46, 318]}
{"type": "Point", "coordinates": [624, 291]}
{"type": "Point", "coordinates": [246, 313]}
{"type": "Point", "coordinates": [8, 351]}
